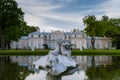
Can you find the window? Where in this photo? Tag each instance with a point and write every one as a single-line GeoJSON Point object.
{"type": "Point", "coordinates": [75, 35]}
{"type": "Point", "coordinates": [83, 36]}
{"type": "Point", "coordinates": [65, 37]}
{"type": "Point", "coordinates": [49, 37]}
{"type": "Point", "coordinates": [39, 35]}
{"type": "Point", "coordinates": [31, 35]}
{"type": "Point", "coordinates": [69, 37]}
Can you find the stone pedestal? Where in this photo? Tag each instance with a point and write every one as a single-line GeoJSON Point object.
{"type": "Point", "coordinates": [51, 77]}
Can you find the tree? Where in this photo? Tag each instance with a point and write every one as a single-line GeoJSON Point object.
{"type": "Point", "coordinates": [15, 32]}
{"type": "Point", "coordinates": [104, 27]}
{"type": "Point", "coordinates": [10, 15]}
{"type": "Point", "coordinates": [91, 27]}
{"type": "Point", "coordinates": [113, 30]}
{"type": "Point", "coordinates": [9, 70]}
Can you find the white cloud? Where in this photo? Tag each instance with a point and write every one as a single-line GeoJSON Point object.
{"type": "Point", "coordinates": [33, 20]}
{"type": "Point", "coordinates": [49, 28]}
{"type": "Point", "coordinates": [111, 8]}
{"type": "Point", "coordinates": [37, 12]}
{"type": "Point", "coordinates": [42, 75]}
{"type": "Point", "coordinates": [35, 15]}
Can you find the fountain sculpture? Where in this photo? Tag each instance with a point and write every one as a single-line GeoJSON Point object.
{"type": "Point", "coordinates": [58, 62]}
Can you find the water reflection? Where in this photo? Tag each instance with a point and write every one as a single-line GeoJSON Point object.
{"type": "Point", "coordinates": [91, 68]}
{"type": "Point", "coordinates": [111, 71]}
{"type": "Point", "coordinates": [11, 71]}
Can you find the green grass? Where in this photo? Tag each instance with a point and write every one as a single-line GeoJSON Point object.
{"type": "Point", "coordinates": [23, 52]}
{"type": "Point", "coordinates": [96, 52]}
{"type": "Point", "coordinates": [74, 52]}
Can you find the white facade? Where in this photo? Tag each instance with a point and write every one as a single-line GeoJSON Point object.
{"type": "Point", "coordinates": [37, 39]}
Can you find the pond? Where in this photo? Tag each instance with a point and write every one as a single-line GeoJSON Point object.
{"type": "Point", "coordinates": [90, 68]}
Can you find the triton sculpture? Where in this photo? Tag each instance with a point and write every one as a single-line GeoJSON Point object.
{"type": "Point", "coordinates": [58, 62]}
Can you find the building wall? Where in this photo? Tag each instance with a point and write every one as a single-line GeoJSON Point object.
{"type": "Point", "coordinates": [37, 39]}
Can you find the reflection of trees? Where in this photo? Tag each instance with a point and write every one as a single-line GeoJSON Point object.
{"type": "Point", "coordinates": [116, 59]}
{"type": "Point", "coordinates": [93, 61]}
{"type": "Point", "coordinates": [11, 71]}
{"type": "Point", "coordinates": [110, 72]}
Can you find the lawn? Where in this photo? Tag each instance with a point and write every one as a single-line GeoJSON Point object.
{"type": "Point", "coordinates": [44, 52]}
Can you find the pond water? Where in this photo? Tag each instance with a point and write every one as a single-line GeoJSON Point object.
{"type": "Point", "coordinates": [90, 68]}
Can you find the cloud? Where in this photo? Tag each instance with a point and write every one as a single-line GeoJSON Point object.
{"type": "Point", "coordinates": [60, 16]}
{"type": "Point", "coordinates": [111, 8]}
{"type": "Point", "coordinates": [49, 28]}
{"type": "Point", "coordinates": [36, 15]}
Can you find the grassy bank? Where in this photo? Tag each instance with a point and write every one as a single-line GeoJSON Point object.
{"type": "Point", "coordinates": [74, 52]}
{"type": "Point", "coordinates": [96, 52]}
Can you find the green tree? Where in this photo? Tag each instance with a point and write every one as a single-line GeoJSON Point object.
{"type": "Point", "coordinates": [10, 15]}
{"type": "Point", "coordinates": [91, 27]}
{"type": "Point", "coordinates": [11, 71]}
{"type": "Point", "coordinates": [113, 30]}
{"type": "Point", "coordinates": [15, 32]}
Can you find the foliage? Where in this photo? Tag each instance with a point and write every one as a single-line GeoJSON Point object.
{"type": "Point", "coordinates": [104, 27]}
{"type": "Point", "coordinates": [15, 32]}
{"type": "Point", "coordinates": [10, 15]}
{"type": "Point", "coordinates": [13, 71]}
{"type": "Point", "coordinates": [110, 72]}
{"type": "Point", "coordinates": [112, 29]}
{"type": "Point", "coordinates": [12, 24]}
{"type": "Point", "coordinates": [91, 27]}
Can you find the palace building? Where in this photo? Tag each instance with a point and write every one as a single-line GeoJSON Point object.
{"type": "Point", "coordinates": [38, 39]}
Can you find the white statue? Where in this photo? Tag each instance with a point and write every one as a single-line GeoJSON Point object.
{"type": "Point", "coordinates": [66, 49]}
{"type": "Point", "coordinates": [57, 61]}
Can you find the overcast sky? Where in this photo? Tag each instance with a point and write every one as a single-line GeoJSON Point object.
{"type": "Point", "coordinates": [66, 14]}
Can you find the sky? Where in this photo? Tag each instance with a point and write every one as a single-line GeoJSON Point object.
{"type": "Point", "coordinates": [42, 75]}
{"type": "Point", "coordinates": [66, 15]}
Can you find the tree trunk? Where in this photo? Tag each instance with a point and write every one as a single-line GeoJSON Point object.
{"type": "Point", "coordinates": [93, 61]}
{"type": "Point", "coordinates": [8, 45]}
{"type": "Point", "coordinates": [2, 68]}
{"type": "Point", "coordinates": [2, 38]}
{"type": "Point", "coordinates": [93, 42]}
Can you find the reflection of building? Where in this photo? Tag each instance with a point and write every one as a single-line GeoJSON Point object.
{"type": "Point", "coordinates": [82, 61]}
{"type": "Point", "coordinates": [37, 39]}
{"type": "Point", "coordinates": [99, 60]}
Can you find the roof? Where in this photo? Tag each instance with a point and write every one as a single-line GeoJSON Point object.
{"type": "Point", "coordinates": [67, 33]}
{"type": "Point", "coordinates": [37, 32]}
{"type": "Point", "coordinates": [49, 33]}
{"type": "Point", "coordinates": [24, 38]}
{"type": "Point", "coordinates": [79, 32]}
